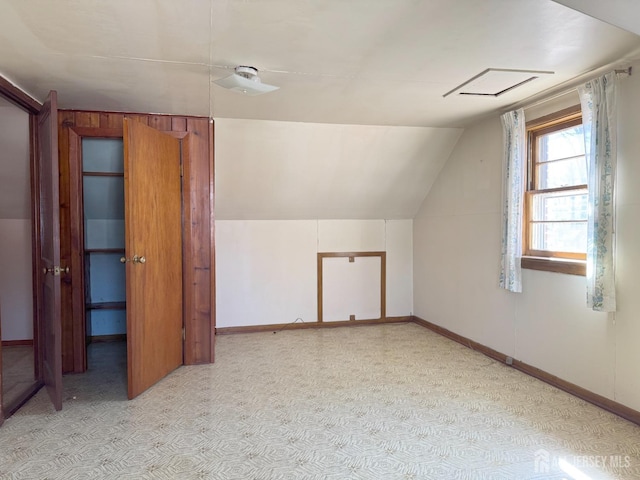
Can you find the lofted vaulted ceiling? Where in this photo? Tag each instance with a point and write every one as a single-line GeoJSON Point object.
{"type": "Point", "coordinates": [376, 69]}
{"type": "Point", "coordinates": [369, 62]}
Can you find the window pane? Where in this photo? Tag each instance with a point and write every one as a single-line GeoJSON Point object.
{"type": "Point", "coordinates": [568, 142]}
{"type": "Point", "coordinates": [560, 206]}
{"type": "Point", "coordinates": [559, 237]}
{"type": "Point", "coordinates": [562, 173]}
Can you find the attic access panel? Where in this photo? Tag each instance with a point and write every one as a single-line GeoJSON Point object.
{"type": "Point", "coordinates": [494, 82]}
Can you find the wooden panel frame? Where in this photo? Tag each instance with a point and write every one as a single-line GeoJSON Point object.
{"type": "Point", "coordinates": [198, 197]}
{"type": "Point", "coordinates": [19, 98]}
{"type": "Point", "coordinates": [212, 239]}
{"type": "Point", "coordinates": [1, 382]}
{"type": "Point", "coordinates": [383, 278]}
{"type": "Point", "coordinates": [74, 343]}
{"type": "Point", "coordinates": [48, 255]}
{"type": "Point", "coordinates": [30, 105]}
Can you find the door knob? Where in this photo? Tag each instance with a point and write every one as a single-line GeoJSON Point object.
{"type": "Point", "coordinates": [55, 270]}
{"type": "Point", "coordinates": [124, 260]}
{"type": "Point", "coordinates": [137, 259]}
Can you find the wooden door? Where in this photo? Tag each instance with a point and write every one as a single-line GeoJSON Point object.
{"type": "Point", "coordinates": [1, 409]}
{"type": "Point", "coordinates": [48, 261]}
{"type": "Point", "coordinates": [153, 245]}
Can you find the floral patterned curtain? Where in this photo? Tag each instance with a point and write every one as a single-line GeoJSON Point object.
{"type": "Point", "coordinates": [598, 99]}
{"type": "Point", "coordinates": [513, 127]}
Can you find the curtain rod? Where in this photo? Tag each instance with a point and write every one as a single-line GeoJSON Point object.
{"type": "Point", "coordinates": [624, 71]}
{"type": "Point", "coordinates": [573, 84]}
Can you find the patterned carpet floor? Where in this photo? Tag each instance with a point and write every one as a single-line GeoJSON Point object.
{"type": "Point", "coordinates": [376, 402]}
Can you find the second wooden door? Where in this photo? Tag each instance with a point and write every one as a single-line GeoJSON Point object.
{"type": "Point", "coordinates": [153, 228]}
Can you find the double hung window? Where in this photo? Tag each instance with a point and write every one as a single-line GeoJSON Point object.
{"type": "Point", "coordinates": [555, 217]}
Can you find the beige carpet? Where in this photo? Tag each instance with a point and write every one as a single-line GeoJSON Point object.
{"type": "Point", "coordinates": [380, 402]}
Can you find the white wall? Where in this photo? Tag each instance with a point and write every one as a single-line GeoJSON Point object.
{"type": "Point", "coordinates": [266, 270]}
{"type": "Point", "coordinates": [16, 301]}
{"type": "Point", "coordinates": [457, 260]}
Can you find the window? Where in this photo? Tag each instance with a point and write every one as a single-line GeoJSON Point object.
{"type": "Point", "coordinates": [555, 230]}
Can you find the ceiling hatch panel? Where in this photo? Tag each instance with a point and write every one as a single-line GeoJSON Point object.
{"type": "Point", "coordinates": [494, 82]}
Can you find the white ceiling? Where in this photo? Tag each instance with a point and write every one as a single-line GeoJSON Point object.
{"type": "Point", "coordinates": [621, 13]}
{"type": "Point", "coordinates": [370, 62]}
{"type": "Point", "coordinates": [376, 69]}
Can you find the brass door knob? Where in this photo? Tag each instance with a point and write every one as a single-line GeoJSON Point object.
{"type": "Point", "coordinates": [139, 259]}
{"type": "Point", "coordinates": [55, 270]}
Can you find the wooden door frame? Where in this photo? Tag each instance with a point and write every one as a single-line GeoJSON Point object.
{"type": "Point", "coordinates": [352, 255]}
{"type": "Point", "coordinates": [76, 134]}
{"type": "Point", "coordinates": [198, 198]}
{"type": "Point", "coordinates": [77, 264]}
{"type": "Point", "coordinates": [31, 106]}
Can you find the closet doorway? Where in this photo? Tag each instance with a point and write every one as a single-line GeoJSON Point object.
{"type": "Point", "coordinates": [103, 228]}
{"type": "Point", "coordinates": [127, 227]}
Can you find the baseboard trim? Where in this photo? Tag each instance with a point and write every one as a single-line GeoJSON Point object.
{"type": "Point", "coordinates": [276, 327]}
{"type": "Point", "coordinates": [489, 352]}
{"type": "Point", "coordinates": [12, 407]}
{"type": "Point", "coordinates": [586, 395]}
{"type": "Point", "coordinates": [575, 390]}
{"type": "Point", "coordinates": [118, 337]}
{"type": "Point", "coordinates": [17, 343]}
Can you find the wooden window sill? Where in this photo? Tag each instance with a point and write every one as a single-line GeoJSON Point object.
{"type": "Point", "coordinates": [570, 267]}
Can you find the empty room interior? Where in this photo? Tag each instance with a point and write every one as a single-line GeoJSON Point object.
{"type": "Point", "coordinates": [320, 239]}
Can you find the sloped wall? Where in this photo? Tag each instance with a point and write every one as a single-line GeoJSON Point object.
{"type": "Point", "coordinates": [268, 170]}
{"type": "Point", "coordinates": [457, 260]}
{"type": "Point", "coordinates": [286, 191]}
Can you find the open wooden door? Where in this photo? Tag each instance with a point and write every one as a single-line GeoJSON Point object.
{"type": "Point", "coordinates": [48, 296]}
{"type": "Point", "coordinates": [153, 245]}
{"type": "Point", "coordinates": [1, 409]}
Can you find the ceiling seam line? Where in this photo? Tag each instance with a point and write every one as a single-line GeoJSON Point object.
{"type": "Point", "coordinates": [138, 59]}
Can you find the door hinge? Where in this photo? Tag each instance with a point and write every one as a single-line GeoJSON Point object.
{"type": "Point", "coordinates": [184, 334]}
{"type": "Point", "coordinates": [181, 170]}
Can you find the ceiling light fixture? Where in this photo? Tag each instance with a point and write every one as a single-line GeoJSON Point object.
{"type": "Point", "coordinates": [245, 80]}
